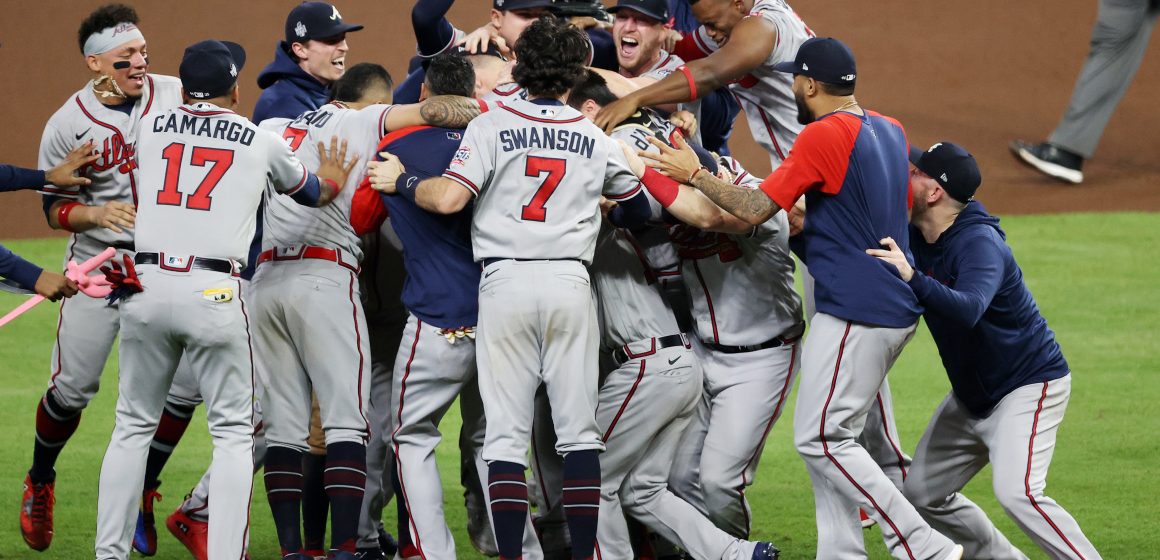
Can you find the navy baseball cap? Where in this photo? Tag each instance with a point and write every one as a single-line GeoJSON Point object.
{"type": "Point", "coordinates": [210, 68]}
{"type": "Point", "coordinates": [315, 20]}
{"type": "Point", "coordinates": [951, 166]}
{"type": "Point", "coordinates": [656, 9]}
{"type": "Point", "coordinates": [506, 5]}
{"type": "Point", "coordinates": [824, 59]}
{"type": "Point", "coordinates": [491, 50]}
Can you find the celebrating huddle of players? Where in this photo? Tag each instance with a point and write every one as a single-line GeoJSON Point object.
{"type": "Point", "coordinates": [542, 222]}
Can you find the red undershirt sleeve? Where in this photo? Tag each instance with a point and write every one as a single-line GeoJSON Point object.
{"type": "Point", "coordinates": [818, 161]}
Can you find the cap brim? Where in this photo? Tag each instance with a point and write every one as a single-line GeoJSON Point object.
{"type": "Point", "coordinates": [787, 67]}
{"type": "Point", "coordinates": [237, 53]}
{"type": "Point", "coordinates": [659, 17]}
{"type": "Point", "coordinates": [915, 154]}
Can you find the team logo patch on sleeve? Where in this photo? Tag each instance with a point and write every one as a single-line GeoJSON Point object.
{"type": "Point", "coordinates": [461, 156]}
{"type": "Point", "coordinates": [454, 136]}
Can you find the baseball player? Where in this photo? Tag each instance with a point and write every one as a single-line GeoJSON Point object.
{"type": "Point", "coordinates": [851, 166]}
{"type": "Point", "coordinates": [748, 38]}
{"type": "Point", "coordinates": [1009, 380]}
{"type": "Point", "coordinates": [538, 168]}
{"type": "Point", "coordinates": [106, 111]}
{"type": "Point", "coordinates": [306, 277]}
{"type": "Point", "coordinates": [206, 168]}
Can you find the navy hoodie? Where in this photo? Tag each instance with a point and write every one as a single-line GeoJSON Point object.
{"type": "Point", "coordinates": [288, 90]}
{"type": "Point", "coordinates": [988, 329]}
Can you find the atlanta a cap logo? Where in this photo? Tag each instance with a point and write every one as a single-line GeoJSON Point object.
{"type": "Point", "coordinates": [943, 177]}
{"type": "Point", "coordinates": [334, 15]}
{"type": "Point", "coordinates": [805, 66]}
{"type": "Point", "coordinates": [300, 29]}
{"type": "Point", "coordinates": [233, 70]}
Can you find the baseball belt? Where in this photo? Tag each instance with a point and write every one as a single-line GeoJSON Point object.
{"type": "Point", "coordinates": [492, 260]}
{"type": "Point", "coordinates": [306, 252]}
{"type": "Point", "coordinates": [623, 354]}
{"type": "Point", "coordinates": [185, 264]}
{"type": "Point", "coordinates": [790, 336]}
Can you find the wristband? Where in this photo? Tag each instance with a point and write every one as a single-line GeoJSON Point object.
{"type": "Point", "coordinates": [689, 78]}
{"type": "Point", "coordinates": [662, 188]}
{"type": "Point", "coordinates": [62, 214]}
{"type": "Point", "coordinates": [693, 175]}
{"type": "Point", "coordinates": [335, 187]}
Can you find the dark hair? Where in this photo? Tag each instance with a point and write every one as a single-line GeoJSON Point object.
{"type": "Point", "coordinates": [550, 57]}
{"type": "Point", "coordinates": [357, 80]}
{"type": "Point", "coordinates": [593, 86]}
{"type": "Point", "coordinates": [105, 17]}
{"type": "Point", "coordinates": [837, 90]}
{"type": "Point", "coordinates": [450, 74]}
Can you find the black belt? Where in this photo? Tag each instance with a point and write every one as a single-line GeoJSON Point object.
{"type": "Point", "coordinates": [492, 260]}
{"type": "Point", "coordinates": [771, 343]}
{"type": "Point", "coordinates": [620, 355]}
{"type": "Point", "coordinates": [124, 245]}
{"type": "Point", "coordinates": [216, 265]}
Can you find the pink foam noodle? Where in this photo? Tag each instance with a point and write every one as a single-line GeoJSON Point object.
{"type": "Point", "coordinates": [93, 286]}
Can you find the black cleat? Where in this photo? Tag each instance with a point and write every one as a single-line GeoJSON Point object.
{"type": "Point", "coordinates": [1051, 160]}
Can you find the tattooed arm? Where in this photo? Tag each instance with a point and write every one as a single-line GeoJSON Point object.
{"type": "Point", "coordinates": [448, 111]}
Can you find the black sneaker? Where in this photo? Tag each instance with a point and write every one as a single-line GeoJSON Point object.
{"type": "Point", "coordinates": [1050, 160]}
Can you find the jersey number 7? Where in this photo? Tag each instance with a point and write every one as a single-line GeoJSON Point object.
{"type": "Point", "coordinates": [199, 156]}
{"type": "Point", "coordinates": [535, 209]}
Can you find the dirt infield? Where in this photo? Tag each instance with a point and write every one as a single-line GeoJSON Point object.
{"type": "Point", "coordinates": [977, 73]}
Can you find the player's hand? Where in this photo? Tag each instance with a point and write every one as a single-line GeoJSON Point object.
{"type": "Point", "coordinates": [606, 206]}
{"type": "Point", "coordinates": [383, 174]}
{"type": "Point", "coordinates": [797, 217]}
{"type": "Point", "coordinates": [63, 175]}
{"type": "Point", "coordinates": [114, 215]}
{"type": "Point", "coordinates": [614, 113]}
{"type": "Point", "coordinates": [588, 22]}
{"type": "Point", "coordinates": [678, 161]}
{"type": "Point", "coordinates": [670, 39]}
{"type": "Point", "coordinates": [333, 164]}
{"type": "Point", "coordinates": [635, 164]}
{"type": "Point", "coordinates": [893, 255]}
{"type": "Point", "coordinates": [476, 41]}
{"type": "Point", "coordinates": [685, 121]}
{"type": "Point", "coordinates": [54, 286]}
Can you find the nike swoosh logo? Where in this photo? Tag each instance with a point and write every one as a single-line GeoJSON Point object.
{"type": "Point", "coordinates": [488, 275]}
{"type": "Point", "coordinates": [674, 360]}
{"type": "Point", "coordinates": [82, 135]}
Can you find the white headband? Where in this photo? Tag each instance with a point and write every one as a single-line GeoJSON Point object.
{"type": "Point", "coordinates": [110, 38]}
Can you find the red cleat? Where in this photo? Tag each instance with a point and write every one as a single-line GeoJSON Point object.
{"type": "Point", "coordinates": [190, 532]}
{"type": "Point", "coordinates": [36, 513]}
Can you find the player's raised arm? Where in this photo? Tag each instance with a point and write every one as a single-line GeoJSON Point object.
{"type": "Point", "coordinates": [749, 44]}
{"type": "Point", "coordinates": [752, 206]}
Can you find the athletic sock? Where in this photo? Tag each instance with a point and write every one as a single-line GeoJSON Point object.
{"type": "Point", "coordinates": [315, 504]}
{"type": "Point", "coordinates": [55, 424]}
{"type": "Point", "coordinates": [406, 546]}
{"type": "Point", "coordinates": [345, 479]}
{"type": "Point", "coordinates": [174, 420]}
{"type": "Point", "coordinates": [508, 488]}
{"type": "Point", "coordinates": [284, 492]}
{"type": "Point", "coordinates": [582, 500]}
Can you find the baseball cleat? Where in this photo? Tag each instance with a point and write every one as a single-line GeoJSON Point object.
{"type": "Point", "coordinates": [341, 555]}
{"type": "Point", "coordinates": [370, 554]}
{"type": "Point", "coordinates": [866, 520]}
{"type": "Point", "coordinates": [145, 536]}
{"type": "Point", "coordinates": [766, 551]}
{"type": "Point", "coordinates": [1051, 160]}
{"type": "Point", "coordinates": [387, 543]}
{"type": "Point", "coordinates": [36, 513]}
{"type": "Point", "coordinates": [190, 532]}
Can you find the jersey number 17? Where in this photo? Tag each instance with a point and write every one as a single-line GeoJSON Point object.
{"type": "Point", "coordinates": [200, 156]}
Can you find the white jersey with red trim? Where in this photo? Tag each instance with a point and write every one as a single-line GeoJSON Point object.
{"type": "Point", "coordinates": [203, 171]}
{"type": "Point", "coordinates": [83, 117]}
{"type": "Point", "coordinates": [765, 94]}
{"type": "Point", "coordinates": [741, 286]}
{"type": "Point", "coordinates": [506, 93]}
{"type": "Point", "coordinates": [289, 224]}
{"type": "Point", "coordinates": [629, 304]}
{"type": "Point", "coordinates": [538, 170]}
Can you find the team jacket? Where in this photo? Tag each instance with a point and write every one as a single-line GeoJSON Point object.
{"type": "Point", "coordinates": [988, 329]}
{"type": "Point", "coordinates": [288, 90]}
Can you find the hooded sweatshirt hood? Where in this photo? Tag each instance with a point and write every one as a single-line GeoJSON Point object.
{"type": "Point", "coordinates": [288, 90]}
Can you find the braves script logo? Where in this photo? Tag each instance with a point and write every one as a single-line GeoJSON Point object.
{"type": "Point", "coordinates": [123, 28]}
{"type": "Point", "coordinates": [461, 156]}
{"type": "Point", "coordinates": [116, 153]}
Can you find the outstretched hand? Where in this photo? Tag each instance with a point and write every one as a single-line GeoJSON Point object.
{"type": "Point", "coordinates": [894, 256]}
{"type": "Point", "coordinates": [678, 161]}
{"type": "Point", "coordinates": [332, 163]}
{"type": "Point", "coordinates": [614, 113]}
{"type": "Point", "coordinates": [63, 175]}
{"type": "Point", "coordinates": [383, 174]}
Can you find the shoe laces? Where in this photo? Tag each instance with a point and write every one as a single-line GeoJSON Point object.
{"type": "Point", "coordinates": [42, 501]}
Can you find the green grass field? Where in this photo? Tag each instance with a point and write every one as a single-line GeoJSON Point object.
{"type": "Point", "coordinates": [1091, 275]}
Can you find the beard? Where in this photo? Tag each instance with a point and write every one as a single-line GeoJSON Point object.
{"type": "Point", "coordinates": [804, 115]}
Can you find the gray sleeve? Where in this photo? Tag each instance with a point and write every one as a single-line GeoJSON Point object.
{"type": "Point", "coordinates": [285, 172]}
{"type": "Point", "coordinates": [619, 182]}
{"type": "Point", "coordinates": [474, 161]}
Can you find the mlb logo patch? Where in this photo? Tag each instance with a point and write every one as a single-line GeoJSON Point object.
{"type": "Point", "coordinates": [454, 136]}
{"type": "Point", "coordinates": [175, 262]}
{"type": "Point", "coordinates": [461, 156]}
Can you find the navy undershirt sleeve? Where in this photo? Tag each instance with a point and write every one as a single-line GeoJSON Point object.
{"type": "Point", "coordinates": [631, 213]}
{"type": "Point", "coordinates": [432, 30]}
{"type": "Point", "coordinates": [310, 192]}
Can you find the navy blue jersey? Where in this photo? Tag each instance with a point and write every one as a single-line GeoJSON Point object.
{"type": "Point", "coordinates": [988, 329]}
{"type": "Point", "coordinates": [442, 285]}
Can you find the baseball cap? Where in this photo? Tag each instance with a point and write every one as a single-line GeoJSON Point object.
{"type": "Point", "coordinates": [210, 68]}
{"type": "Point", "coordinates": [951, 166]}
{"type": "Point", "coordinates": [506, 5]}
{"type": "Point", "coordinates": [491, 50]}
{"type": "Point", "coordinates": [825, 59]}
{"type": "Point", "coordinates": [315, 20]}
{"type": "Point", "coordinates": [656, 9]}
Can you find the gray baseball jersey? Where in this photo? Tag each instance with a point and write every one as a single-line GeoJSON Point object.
{"type": "Point", "coordinates": [554, 163]}
{"type": "Point", "coordinates": [287, 223]}
{"type": "Point", "coordinates": [741, 286]}
{"type": "Point", "coordinates": [83, 117]}
{"type": "Point", "coordinates": [220, 148]}
{"type": "Point", "coordinates": [629, 304]}
{"type": "Point", "coordinates": [765, 94]}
